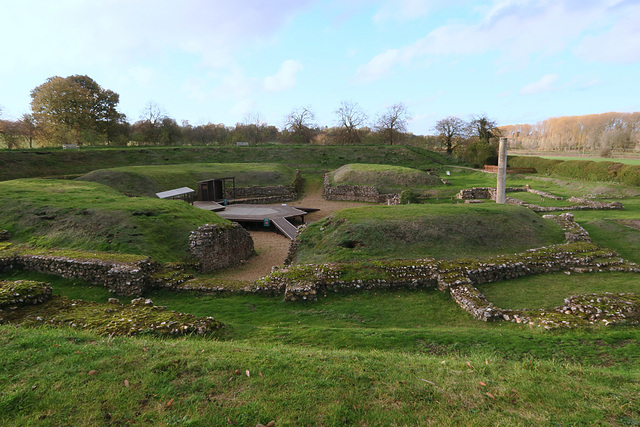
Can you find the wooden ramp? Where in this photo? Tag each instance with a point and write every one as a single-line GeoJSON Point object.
{"type": "Point", "coordinates": [209, 206]}
{"type": "Point", "coordinates": [288, 229]}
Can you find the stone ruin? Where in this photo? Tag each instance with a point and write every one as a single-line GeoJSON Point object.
{"type": "Point", "coordinates": [477, 194]}
{"type": "Point", "coordinates": [217, 247]}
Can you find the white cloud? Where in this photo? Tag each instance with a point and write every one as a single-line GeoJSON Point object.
{"type": "Point", "coordinates": [545, 84]}
{"type": "Point", "coordinates": [407, 10]}
{"type": "Point", "coordinates": [518, 30]}
{"type": "Point", "coordinates": [620, 43]}
{"type": "Point", "coordinates": [285, 78]}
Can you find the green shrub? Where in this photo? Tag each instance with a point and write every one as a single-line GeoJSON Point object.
{"type": "Point", "coordinates": [408, 197]}
{"type": "Point", "coordinates": [587, 170]}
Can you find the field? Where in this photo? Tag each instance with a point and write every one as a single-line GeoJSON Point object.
{"type": "Point", "coordinates": [366, 358]}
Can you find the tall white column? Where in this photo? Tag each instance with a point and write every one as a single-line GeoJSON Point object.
{"type": "Point", "coordinates": [502, 171]}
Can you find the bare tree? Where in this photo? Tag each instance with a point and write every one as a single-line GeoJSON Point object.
{"type": "Point", "coordinates": [450, 129]}
{"type": "Point", "coordinates": [28, 126]}
{"type": "Point", "coordinates": [350, 119]}
{"type": "Point", "coordinates": [153, 114]}
{"type": "Point", "coordinates": [393, 122]}
{"type": "Point", "coordinates": [300, 123]}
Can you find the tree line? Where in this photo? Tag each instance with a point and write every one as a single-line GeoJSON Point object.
{"type": "Point", "coordinates": [598, 133]}
{"type": "Point", "coordinates": [77, 110]}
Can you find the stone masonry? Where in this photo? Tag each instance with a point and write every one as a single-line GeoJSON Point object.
{"type": "Point", "coordinates": [219, 247]}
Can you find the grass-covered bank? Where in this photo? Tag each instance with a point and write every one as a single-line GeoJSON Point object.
{"type": "Point", "coordinates": [55, 162]}
{"type": "Point", "coordinates": [91, 216]}
{"type": "Point", "coordinates": [149, 180]}
{"type": "Point", "coordinates": [420, 231]}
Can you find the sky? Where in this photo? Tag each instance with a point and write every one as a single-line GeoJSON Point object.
{"type": "Point", "coordinates": [220, 61]}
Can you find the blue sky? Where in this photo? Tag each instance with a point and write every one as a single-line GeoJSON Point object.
{"type": "Point", "coordinates": [517, 61]}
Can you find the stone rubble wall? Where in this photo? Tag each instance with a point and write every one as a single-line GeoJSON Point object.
{"type": "Point", "coordinates": [356, 193]}
{"type": "Point", "coordinates": [217, 247]}
{"type": "Point", "coordinates": [573, 232]}
{"type": "Point", "coordinates": [255, 194]}
{"type": "Point", "coordinates": [475, 194]}
{"type": "Point", "coordinates": [14, 294]}
{"type": "Point", "coordinates": [4, 235]}
{"type": "Point", "coordinates": [129, 279]}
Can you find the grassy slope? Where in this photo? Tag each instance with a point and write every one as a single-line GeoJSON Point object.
{"type": "Point", "coordinates": [367, 359]}
{"type": "Point", "coordinates": [38, 163]}
{"type": "Point", "coordinates": [385, 178]}
{"type": "Point", "coordinates": [419, 231]}
{"type": "Point", "coordinates": [85, 215]}
{"type": "Point", "coordinates": [148, 180]}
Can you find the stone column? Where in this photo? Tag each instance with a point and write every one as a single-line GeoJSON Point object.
{"type": "Point", "coordinates": [502, 171]}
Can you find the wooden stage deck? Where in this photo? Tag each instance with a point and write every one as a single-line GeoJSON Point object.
{"type": "Point", "coordinates": [278, 215]}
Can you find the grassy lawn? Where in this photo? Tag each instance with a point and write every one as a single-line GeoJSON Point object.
{"type": "Point", "coordinates": [549, 290]}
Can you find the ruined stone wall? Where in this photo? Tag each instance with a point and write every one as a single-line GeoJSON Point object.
{"type": "Point", "coordinates": [119, 278]}
{"type": "Point", "coordinates": [356, 193]}
{"type": "Point", "coordinates": [217, 247]}
{"type": "Point", "coordinates": [268, 194]}
{"type": "Point", "coordinates": [258, 191]}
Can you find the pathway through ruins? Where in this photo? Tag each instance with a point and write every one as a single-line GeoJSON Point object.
{"type": "Point", "coordinates": [272, 247]}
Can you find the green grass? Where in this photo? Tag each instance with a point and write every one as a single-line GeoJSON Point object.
{"type": "Point", "coordinates": [356, 360]}
{"type": "Point", "coordinates": [420, 231]}
{"type": "Point", "coordinates": [55, 162]}
{"type": "Point", "coordinates": [385, 178]}
{"type": "Point", "coordinates": [149, 180]}
{"type": "Point", "coordinates": [90, 216]}
{"type": "Point", "coordinates": [549, 290]}
{"type": "Point", "coordinates": [371, 358]}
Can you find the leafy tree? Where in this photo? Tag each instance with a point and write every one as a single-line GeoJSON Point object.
{"type": "Point", "coordinates": [350, 119]}
{"type": "Point", "coordinates": [392, 123]}
{"type": "Point", "coordinates": [483, 128]}
{"type": "Point", "coordinates": [74, 109]}
{"type": "Point", "coordinates": [450, 130]}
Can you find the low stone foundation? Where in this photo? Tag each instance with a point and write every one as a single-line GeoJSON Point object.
{"type": "Point", "coordinates": [356, 193]}
{"type": "Point", "coordinates": [122, 278]}
{"type": "Point", "coordinates": [475, 194]}
{"type": "Point", "coordinates": [217, 247]}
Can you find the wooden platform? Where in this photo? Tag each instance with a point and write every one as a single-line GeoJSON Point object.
{"type": "Point", "coordinates": [209, 206]}
{"type": "Point", "coordinates": [277, 215]}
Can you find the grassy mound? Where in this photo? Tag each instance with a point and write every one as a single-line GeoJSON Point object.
{"type": "Point", "coordinates": [419, 231]}
{"type": "Point", "coordinates": [383, 177]}
{"type": "Point", "coordinates": [91, 216]}
{"type": "Point", "coordinates": [148, 180]}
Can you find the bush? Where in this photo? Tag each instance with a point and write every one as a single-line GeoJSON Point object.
{"type": "Point", "coordinates": [408, 197]}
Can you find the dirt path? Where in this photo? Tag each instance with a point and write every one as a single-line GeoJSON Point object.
{"type": "Point", "coordinates": [272, 247]}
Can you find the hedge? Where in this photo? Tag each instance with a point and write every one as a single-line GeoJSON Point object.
{"type": "Point", "coordinates": [581, 169]}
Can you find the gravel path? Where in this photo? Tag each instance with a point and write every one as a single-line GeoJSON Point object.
{"type": "Point", "coordinates": [272, 247]}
